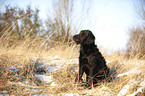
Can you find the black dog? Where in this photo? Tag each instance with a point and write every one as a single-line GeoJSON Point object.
{"type": "Point", "coordinates": [91, 60]}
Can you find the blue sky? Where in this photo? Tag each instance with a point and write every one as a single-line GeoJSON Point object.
{"type": "Point", "coordinates": [109, 20]}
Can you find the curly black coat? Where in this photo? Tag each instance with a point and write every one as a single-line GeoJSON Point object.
{"type": "Point", "coordinates": [91, 60]}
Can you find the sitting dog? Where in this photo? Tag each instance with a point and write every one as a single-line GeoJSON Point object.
{"type": "Point", "coordinates": [91, 60]}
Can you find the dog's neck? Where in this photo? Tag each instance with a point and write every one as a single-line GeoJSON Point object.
{"type": "Point", "coordinates": [87, 48]}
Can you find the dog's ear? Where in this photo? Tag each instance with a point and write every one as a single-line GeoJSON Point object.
{"type": "Point", "coordinates": [90, 39]}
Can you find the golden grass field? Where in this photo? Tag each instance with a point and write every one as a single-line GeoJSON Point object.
{"type": "Point", "coordinates": [128, 74]}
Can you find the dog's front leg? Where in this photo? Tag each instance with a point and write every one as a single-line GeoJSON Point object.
{"type": "Point", "coordinates": [90, 80]}
{"type": "Point", "coordinates": [79, 76]}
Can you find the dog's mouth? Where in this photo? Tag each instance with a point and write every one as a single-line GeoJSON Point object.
{"type": "Point", "coordinates": [77, 41]}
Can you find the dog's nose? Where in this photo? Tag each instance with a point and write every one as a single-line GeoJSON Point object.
{"type": "Point", "coordinates": [75, 36]}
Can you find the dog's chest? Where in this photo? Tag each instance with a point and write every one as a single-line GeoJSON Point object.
{"type": "Point", "coordinates": [85, 60]}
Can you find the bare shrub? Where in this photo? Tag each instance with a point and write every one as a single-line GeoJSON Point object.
{"type": "Point", "coordinates": [136, 43]}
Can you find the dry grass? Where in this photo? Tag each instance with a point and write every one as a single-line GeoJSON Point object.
{"type": "Point", "coordinates": [20, 56]}
{"type": "Point", "coordinates": [64, 78]}
{"type": "Point", "coordinates": [128, 74]}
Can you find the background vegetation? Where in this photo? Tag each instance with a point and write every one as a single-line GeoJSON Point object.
{"type": "Point", "coordinates": [136, 42]}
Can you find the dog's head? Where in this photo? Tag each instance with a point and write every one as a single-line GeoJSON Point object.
{"type": "Point", "coordinates": [84, 37]}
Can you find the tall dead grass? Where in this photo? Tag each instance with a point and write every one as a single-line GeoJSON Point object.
{"type": "Point", "coordinates": [19, 54]}
{"type": "Point", "coordinates": [132, 70]}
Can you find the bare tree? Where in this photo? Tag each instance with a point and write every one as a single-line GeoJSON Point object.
{"type": "Point", "coordinates": [140, 9]}
{"type": "Point", "coordinates": [67, 19]}
{"type": "Point", "coordinates": [59, 27]}
{"type": "Point", "coordinates": [136, 43]}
